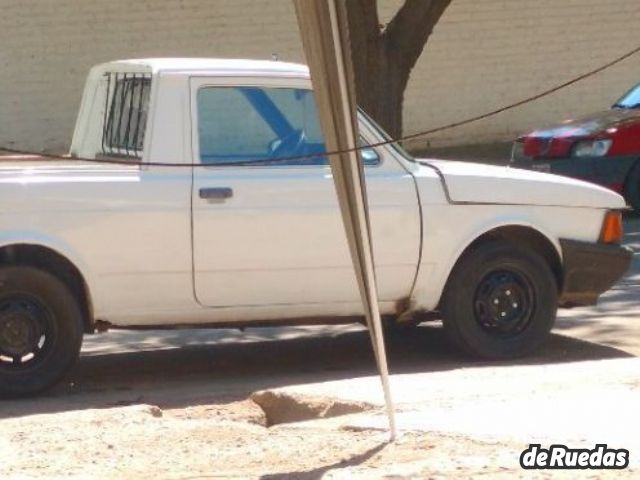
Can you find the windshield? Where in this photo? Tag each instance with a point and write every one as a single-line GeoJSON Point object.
{"type": "Point", "coordinates": [630, 100]}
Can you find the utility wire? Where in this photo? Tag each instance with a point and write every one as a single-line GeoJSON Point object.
{"type": "Point", "coordinates": [406, 138]}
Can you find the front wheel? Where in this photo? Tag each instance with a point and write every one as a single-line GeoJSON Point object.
{"type": "Point", "coordinates": [500, 301]}
{"type": "Point", "coordinates": [40, 331]}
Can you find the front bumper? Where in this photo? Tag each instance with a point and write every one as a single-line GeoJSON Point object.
{"type": "Point", "coordinates": [590, 269]}
{"type": "Point", "coordinates": [608, 171]}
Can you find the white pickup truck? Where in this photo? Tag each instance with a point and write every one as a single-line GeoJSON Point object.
{"type": "Point", "coordinates": [188, 228]}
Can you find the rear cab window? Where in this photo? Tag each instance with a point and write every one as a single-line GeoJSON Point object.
{"type": "Point", "coordinates": [125, 115]}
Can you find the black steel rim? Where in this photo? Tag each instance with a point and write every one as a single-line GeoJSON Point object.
{"type": "Point", "coordinates": [27, 331]}
{"type": "Point", "coordinates": [504, 303]}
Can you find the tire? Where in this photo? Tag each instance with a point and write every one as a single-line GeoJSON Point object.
{"type": "Point", "coordinates": [500, 302]}
{"type": "Point", "coordinates": [632, 189]}
{"type": "Point", "coordinates": [40, 331]}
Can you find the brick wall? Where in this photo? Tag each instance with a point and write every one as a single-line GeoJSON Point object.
{"type": "Point", "coordinates": [482, 55]}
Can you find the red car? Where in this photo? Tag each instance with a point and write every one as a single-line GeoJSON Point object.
{"type": "Point", "coordinates": [602, 148]}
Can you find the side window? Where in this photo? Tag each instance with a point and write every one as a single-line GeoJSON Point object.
{"type": "Point", "coordinates": [229, 128]}
{"type": "Point", "coordinates": [126, 112]}
{"type": "Point", "coordinates": [252, 123]}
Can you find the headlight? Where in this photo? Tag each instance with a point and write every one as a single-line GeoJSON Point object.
{"type": "Point", "coordinates": [592, 148]}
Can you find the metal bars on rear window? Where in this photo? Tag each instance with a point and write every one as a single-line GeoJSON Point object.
{"type": "Point", "coordinates": [125, 113]}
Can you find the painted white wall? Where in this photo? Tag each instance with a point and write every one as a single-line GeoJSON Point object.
{"type": "Point", "coordinates": [483, 54]}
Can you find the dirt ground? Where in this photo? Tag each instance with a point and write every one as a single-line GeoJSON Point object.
{"type": "Point", "coordinates": [179, 405]}
{"type": "Point", "coordinates": [228, 441]}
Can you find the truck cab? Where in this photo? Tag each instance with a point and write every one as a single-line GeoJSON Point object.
{"type": "Point", "coordinates": [263, 238]}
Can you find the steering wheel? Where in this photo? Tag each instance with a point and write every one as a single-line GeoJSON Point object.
{"type": "Point", "coordinates": [287, 146]}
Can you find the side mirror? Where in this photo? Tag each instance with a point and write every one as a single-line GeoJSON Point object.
{"type": "Point", "coordinates": [369, 156]}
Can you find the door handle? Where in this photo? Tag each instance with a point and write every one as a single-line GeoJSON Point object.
{"type": "Point", "coordinates": [216, 193]}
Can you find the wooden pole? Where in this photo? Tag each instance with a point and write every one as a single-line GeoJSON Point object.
{"type": "Point", "coordinates": [325, 36]}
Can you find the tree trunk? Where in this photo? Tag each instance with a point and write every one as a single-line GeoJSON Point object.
{"type": "Point", "coordinates": [380, 92]}
{"type": "Point", "coordinates": [384, 57]}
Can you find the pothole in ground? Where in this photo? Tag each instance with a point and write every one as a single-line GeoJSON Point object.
{"type": "Point", "coordinates": [283, 407]}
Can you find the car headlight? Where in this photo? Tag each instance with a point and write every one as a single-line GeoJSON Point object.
{"type": "Point", "coordinates": [592, 148]}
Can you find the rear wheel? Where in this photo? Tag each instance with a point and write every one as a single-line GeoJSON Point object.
{"type": "Point", "coordinates": [40, 331]}
{"type": "Point", "coordinates": [500, 301]}
{"type": "Point", "coordinates": [632, 189]}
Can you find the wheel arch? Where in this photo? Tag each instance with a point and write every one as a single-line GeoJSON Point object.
{"type": "Point", "coordinates": [57, 264]}
{"type": "Point", "coordinates": [521, 235]}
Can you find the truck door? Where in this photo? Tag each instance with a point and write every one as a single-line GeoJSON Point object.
{"type": "Point", "coordinates": [272, 234]}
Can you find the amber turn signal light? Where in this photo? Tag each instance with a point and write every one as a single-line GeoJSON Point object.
{"type": "Point", "coordinates": [612, 229]}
